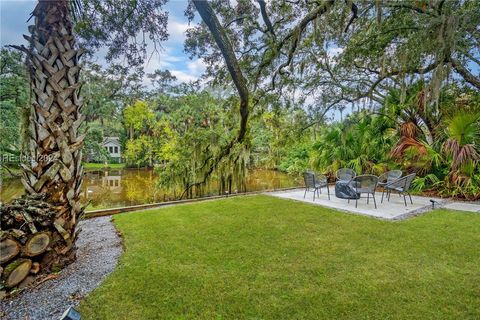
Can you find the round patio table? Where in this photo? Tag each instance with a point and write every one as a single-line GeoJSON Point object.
{"type": "Point", "coordinates": [344, 190]}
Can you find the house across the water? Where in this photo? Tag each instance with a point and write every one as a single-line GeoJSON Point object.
{"type": "Point", "coordinates": [113, 147]}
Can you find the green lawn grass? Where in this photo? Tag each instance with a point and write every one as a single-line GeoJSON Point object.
{"type": "Point", "coordinates": [260, 257]}
{"type": "Point", "coordinates": [100, 166]}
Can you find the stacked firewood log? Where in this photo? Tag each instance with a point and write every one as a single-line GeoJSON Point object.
{"type": "Point", "coordinates": [32, 242]}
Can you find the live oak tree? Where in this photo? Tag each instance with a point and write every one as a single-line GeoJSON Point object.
{"type": "Point", "coordinates": [321, 54]}
{"type": "Point", "coordinates": [344, 51]}
{"type": "Point", "coordinates": [392, 45]}
{"type": "Point", "coordinates": [253, 54]}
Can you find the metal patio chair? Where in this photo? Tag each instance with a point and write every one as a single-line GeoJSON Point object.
{"type": "Point", "coordinates": [366, 183]}
{"type": "Point", "coordinates": [345, 174]}
{"type": "Point", "coordinates": [388, 177]}
{"type": "Point", "coordinates": [322, 181]}
{"type": "Point", "coordinates": [314, 183]}
{"type": "Point", "coordinates": [402, 186]}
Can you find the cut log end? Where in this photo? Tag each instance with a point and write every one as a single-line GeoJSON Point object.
{"type": "Point", "coordinates": [16, 271]}
{"type": "Point", "coordinates": [9, 248]}
{"type": "Point", "coordinates": [37, 244]}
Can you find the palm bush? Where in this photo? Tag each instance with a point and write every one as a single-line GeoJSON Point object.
{"type": "Point", "coordinates": [463, 129]}
{"type": "Point", "coordinates": [362, 143]}
{"type": "Point", "coordinates": [463, 178]}
{"type": "Point", "coordinates": [439, 143]}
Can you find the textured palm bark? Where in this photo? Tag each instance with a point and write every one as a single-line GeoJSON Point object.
{"type": "Point", "coordinates": [54, 147]}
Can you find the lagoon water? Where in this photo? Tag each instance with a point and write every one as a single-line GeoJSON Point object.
{"type": "Point", "coordinates": [127, 187]}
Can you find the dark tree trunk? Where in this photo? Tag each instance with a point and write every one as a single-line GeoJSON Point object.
{"type": "Point", "coordinates": [222, 41]}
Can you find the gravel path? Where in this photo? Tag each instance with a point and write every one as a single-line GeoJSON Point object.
{"type": "Point", "coordinates": [99, 248]}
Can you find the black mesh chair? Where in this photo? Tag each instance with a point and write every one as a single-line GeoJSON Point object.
{"type": "Point", "coordinates": [401, 185]}
{"type": "Point", "coordinates": [365, 184]}
{"type": "Point", "coordinates": [345, 174]}
{"type": "Point", "coordinates": [388, 177]}
{"type": "Point", "coordinates": [314, 183]}
{"type": "Point", "coordinates": [322, 181]}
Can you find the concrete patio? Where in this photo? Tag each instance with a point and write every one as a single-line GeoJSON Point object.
{"type": "Point", "coordinates": [391, 210]}
{"type": "Point", "coordinates": [464, 206]}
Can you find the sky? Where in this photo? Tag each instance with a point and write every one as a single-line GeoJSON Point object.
{"type": "Point", "coordinates": [13, 24]}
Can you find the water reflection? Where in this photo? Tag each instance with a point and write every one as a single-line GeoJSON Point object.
{"type": "Point", "coordinates": [126, 187]}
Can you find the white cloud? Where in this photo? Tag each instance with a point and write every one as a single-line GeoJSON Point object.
{"type": "Point", "coordinates": [335, 51]}
{"type": "Point", "coordinates": [179, 65]}
{"type": "Point", "coordinates": [311, 100]}
{"type": "Point", "coordinates": [194, 72]}
{"type": "Point", "coordinates": [197, 66]}
{"type": "Point", "coordinates": [165, 59]}
{"type": "Point", "coordinates": [176, 29]}
{"type": "Point", "coordinates": [184, 76]}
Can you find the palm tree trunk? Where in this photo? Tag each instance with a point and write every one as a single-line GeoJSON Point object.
{"type": "Point", "coordinates": [54, 147]}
